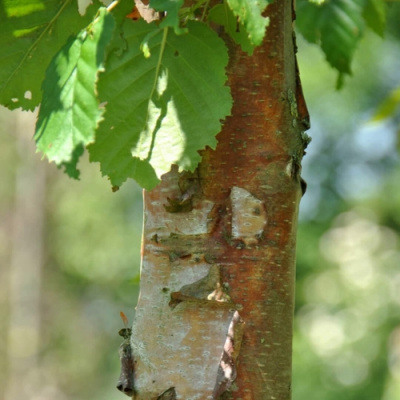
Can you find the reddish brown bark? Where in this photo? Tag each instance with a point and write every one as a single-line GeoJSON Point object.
{"type": "Point", "coordinates": [218, 267]}
{"type": "Point", "coordinates": [260, 149]}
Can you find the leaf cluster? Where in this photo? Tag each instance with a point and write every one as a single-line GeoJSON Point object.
{"type": "Point", "coordinates": [143, 95]}
{"type": "Point", "coordinates": [140, 96]}
{"type": "Point", "coordinates": [338, 25]}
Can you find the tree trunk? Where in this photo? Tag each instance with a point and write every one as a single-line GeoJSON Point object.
{"type": "Point", "coordinates": [215, 312]}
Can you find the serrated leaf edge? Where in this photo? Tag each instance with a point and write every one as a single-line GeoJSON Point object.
{"type": "Point", "coordinates": [34, 44]}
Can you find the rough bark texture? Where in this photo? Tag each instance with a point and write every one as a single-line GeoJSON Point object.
{"type": "Point", "coordinates": [214, 318]}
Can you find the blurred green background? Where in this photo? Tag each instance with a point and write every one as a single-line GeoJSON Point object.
{"type": "Point", "coordinates": [70, 251]}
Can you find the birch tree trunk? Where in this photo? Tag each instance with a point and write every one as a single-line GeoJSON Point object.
{"type": "Point", "coordinates": [214, 317]}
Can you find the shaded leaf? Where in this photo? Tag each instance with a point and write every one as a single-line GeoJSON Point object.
{"type": "Point", "coordinates": [171, 8]}
{"type": "Point", "coordinates": [337, 26]}
{"type": "Point", "coordinates": [120, 13]}
{"type": "Point", "coordinates": [307, 20]}
{"type": "Point", "coordinates": [31, 33]}
{"type": "Point", "coordinates": [69, 111]}
{"type": "Point", "coordinates": [374, 14]}
{"type": "Point", "coordinates": [163, 109]}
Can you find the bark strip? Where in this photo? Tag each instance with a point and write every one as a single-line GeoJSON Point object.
{"type": "Point", "coordinates": [214, 317]}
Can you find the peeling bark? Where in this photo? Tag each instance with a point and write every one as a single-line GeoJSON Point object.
{"type": "Point", "coordinates": [227, 366]}
{"type": "Point", "coordinates": [169, 394]}
{"type": "Point", "coordinates": [207, 290]}
{"type": "Point", "coordinates": [126, 382]}
{"type": "Point", "coordinates": [214, 316]}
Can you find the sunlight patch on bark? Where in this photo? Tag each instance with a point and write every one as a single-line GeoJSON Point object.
{"type": "Point", "coordinates": [248, 216]}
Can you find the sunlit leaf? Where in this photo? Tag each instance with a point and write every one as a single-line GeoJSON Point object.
{"type": "Point", "coordinates": [69, 111]}
{"type": "Point", "coordinates": [163, 109]}
{"type": "Point", "coordinates": [250, 16]}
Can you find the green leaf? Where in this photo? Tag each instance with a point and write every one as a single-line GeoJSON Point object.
{"type": "Point", "coordinates": [163, 109]}
{"type": "Point", "coordinates": [307, 20]}
{"type": "Point", "coordinates": [31, 33]}
{"type": "Point", "coordinates": [374, 14]}
{"type": "Point", "coordinates": [341, 30]}
{"type": "Point", "coordinates": [250, 16]}
{"type": "Point", "coordinates": [337, 26]}
{"type": "Point", "coordinates": [69, 111]}
{"type": "Point", "coordinates": [222, 15]}
{"type": "Point", "coordinates": [171, 8]}
{"type": "Point", "coordinates": [119, 12]}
